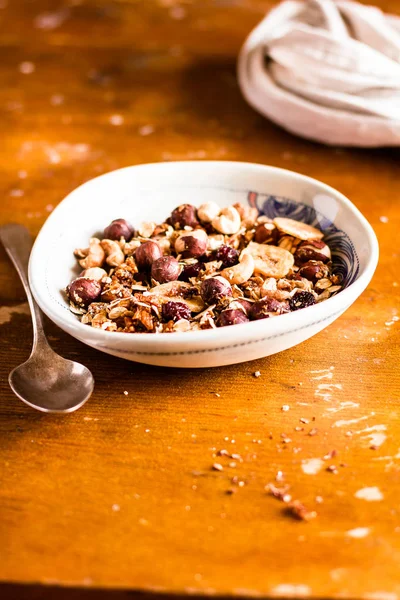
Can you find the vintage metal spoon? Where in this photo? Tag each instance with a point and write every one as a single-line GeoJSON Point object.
{"type": "Point", "coordinates": [46, 381]}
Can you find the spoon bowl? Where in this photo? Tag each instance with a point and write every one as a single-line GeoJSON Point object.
{"type": "Point", "coordinates": [59, 386]}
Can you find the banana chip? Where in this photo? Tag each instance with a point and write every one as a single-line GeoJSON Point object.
{"type": "Point", "coordinates": [299, 230]}
{"type": "Point", "coordinates": [270, 261]}
{"type": "Point", "coordinates": [174, 291]}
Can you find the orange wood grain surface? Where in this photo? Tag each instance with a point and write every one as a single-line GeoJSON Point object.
{"type": "Point", "coordinates": [122, 493]}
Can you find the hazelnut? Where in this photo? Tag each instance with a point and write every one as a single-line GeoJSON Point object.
{"type": "Point", "coordinates": [189, 271]}
{"type": "Point", "coordinates": [117, 229]}
{"type": "Point", "coordinates": [232, 317]}
{"type": "Point", "coordinates": [314, 270]}
{"type": "Point", "coordinates": [165, 269]}
{"type": "Point", "coordinates": [246, 304]}
{"type": "Point", "coordinates": [175, 311]}
{"type": "Point", "coordinates": [215, 288]}
{"type": "Point", "coordinates": [264, 232]}
{"type": "Point", "coordinates": [83, 291]}
{"type": "Point", "coordinates": [312, 250]}
{"type": "Point", "coordinates": [192, 244]}
{"type": "Point", "coordinates": [184, 215]}
{"type": "Point", "coordinates": [263, 308]}
{"type": "Point", "coordinates": [146, 254]}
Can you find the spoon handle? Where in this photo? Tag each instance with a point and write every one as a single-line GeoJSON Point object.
{"type": "Point", "coordinates": [17, 242]}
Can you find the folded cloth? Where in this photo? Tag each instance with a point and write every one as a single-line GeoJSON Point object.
{"type": "Point", "coordinates": [327, 71]}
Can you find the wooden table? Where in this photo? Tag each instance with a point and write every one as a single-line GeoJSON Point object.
{"type": "Point", "coordinates": [122, 493]}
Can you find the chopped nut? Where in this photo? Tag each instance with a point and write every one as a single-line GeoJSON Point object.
{"type": "Point", "coordinates": [223, 453]}
{"type": "Point", "coordinates": [297, 510]}
{"type": "Point", "coordinates": [237, 481]}
{"type": "Point", "coordinates": [332, 469]}
{"type": "Point", "coordinates": [217, 467]}
{"type": "Point", "coordinates": [257, 374]}
{"type": "Point", "coordinates": [279, 493]}
{"type": "Point", "coordinates": [330, 455]}
{"type": "Point", "coordinates": [236, 456]}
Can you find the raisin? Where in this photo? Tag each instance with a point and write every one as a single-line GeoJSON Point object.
{"type": "Point", "coordinates": [191, 271]}
{"type": "Point", "coordinates": [174, 311]}
{"type": "Point", "coordinates": [228, 255]}
{"type": "Point", "coordinates": [301, 300]}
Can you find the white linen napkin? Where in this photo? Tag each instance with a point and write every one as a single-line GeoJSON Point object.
{"type": "Point", "coordinates": [328, 71]}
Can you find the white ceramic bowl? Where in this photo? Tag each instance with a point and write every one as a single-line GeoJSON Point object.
{"type": "Point", "coordinates": [150, 192]}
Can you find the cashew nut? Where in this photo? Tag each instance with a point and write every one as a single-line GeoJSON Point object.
{"type": "Point", "coordinates": [95, 255]}
{"type": "Point", "coordinates": [208, 211]}
{"type": "Point", "coordinates": [115, 256]}
{"type": "Point", "coordinates": [130, 247]}
{"type": "Point", "coordinates": [215, 240]}
{"type": "Point", "coordinates": [228, 222]}
{"type": "Point", "coordinates": [241, 272]}
{"type": "Point", "coordinates": [95, 273]}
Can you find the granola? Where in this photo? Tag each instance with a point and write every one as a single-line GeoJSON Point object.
{"type": "Point", "coordinates": [202, 268]}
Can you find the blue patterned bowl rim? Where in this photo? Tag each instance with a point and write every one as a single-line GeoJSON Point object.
{"type": "Point", "coordinates": [344, 256]}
